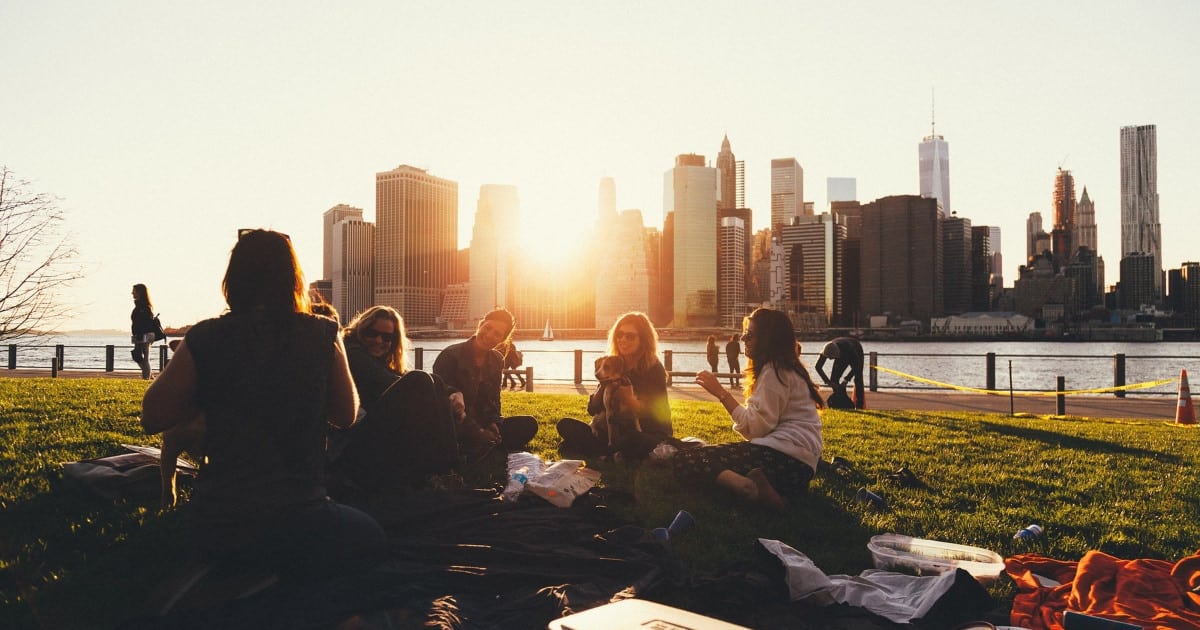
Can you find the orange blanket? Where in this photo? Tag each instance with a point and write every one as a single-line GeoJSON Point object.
{"type": "Point", "coordinates": [1150, 593]}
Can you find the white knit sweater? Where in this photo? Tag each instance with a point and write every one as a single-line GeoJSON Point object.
{"type": "Point", "coordinates": [781, 415]}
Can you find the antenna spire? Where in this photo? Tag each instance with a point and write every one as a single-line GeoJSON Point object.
{"type": "Point", "coordinates": [932, 113]}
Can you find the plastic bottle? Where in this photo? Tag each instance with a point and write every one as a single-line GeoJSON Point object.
{"type": "Point", "coordinates": [521, 468]}
{"type": "Point", "coordinates": [1029, 534]}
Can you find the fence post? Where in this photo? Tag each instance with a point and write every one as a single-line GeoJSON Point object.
{"type": "Point", "coordinates": [1119, 374]}
{"type": "Point", "coordinates": [162, 357]}
{"type": "Point", "coordinates": [12, 356]}
{"type": "Point", "coordinates": [53, 367]}
{"type": "Point", "coordinates": [874, 380]}
{"type": "Point", "coordinates": [109, 357]}
{"type": "Point", "coordinates": [419, 358]}
{"type": "Point", "coordinates": [991, 371]}
{"type": "Point", "coordinates": [578, 366]}
{"type": "Point", "coordinates": [1061, 400]}
{"type": "Point", "coordinates": [668, 361]}
{"type": "Point", "coordinates": [58, 355]}
{"type": "Point", "coordinates": [528, 378]}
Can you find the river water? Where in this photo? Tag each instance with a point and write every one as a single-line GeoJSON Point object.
{"type": "Point", "coordinates": [1035, 365]}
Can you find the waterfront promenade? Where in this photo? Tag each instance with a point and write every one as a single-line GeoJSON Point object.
{"type": "Point", "coordinates": [1095, 406]}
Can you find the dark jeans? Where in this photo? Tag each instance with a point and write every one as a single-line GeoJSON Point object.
{"type": "Point", "coordinates": [407, 436]}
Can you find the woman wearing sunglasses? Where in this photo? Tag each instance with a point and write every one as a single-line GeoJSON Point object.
{"type": "Point", "coordinates": [634, 339]}
{"type": "Point", "coordinates": [406, 434]}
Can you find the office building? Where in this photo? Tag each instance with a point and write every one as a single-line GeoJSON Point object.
{"type": "Point", "coordinates": [997, 259]}
{"type": "Point", "coordinates": [727, 178]}
{"type": "Point", "coordinates": [1063, 203]}
{"type": "Point", "coordinates": [934, 160]}
{"type": "Point", "coordinates": [353, 271]}
{"type": "Point", "coordinates": [690, 194]}
{"type": "Point", "coordinates": [1033, 232]}
{"type": "Point", "coordinates": [1140, 229]}
{"type": "Point", "coordinates": [623, 279]}
{"type": "Point", "coordinates": [493, 237]}
{"type": "Point", "coordinates": [1136, 288]}
{"type": "Point", "coordinates": [1085, 222]}
{"type": "Point", "coordinates": [840, 189]}
{"type": "Point", "coordinates": [416, 242]}
{"type": "Point", "coordinates": [812, 248]}
{"type": "Point", "coordinates": [731, 272]}
{"type": "Point", "coordinates": [957, 259]}
{"type": "Point", "coordinates": [901, 258]}
{"type": "Point", "coordinates": [787, 192]}
{"type": "Point", "coordinates": [982, 290]}
{"type": "Point", "coordinates": [329, 219]}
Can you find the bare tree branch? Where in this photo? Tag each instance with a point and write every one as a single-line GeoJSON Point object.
{"type": "Point", "coordinates": [36, 259]}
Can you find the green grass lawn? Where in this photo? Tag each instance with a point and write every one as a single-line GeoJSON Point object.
{"type": "Point", "coordinates": [1130, 488]}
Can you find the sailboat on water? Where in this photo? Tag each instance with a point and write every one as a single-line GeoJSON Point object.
{"type": "Point", "coordinates": [548, 332]}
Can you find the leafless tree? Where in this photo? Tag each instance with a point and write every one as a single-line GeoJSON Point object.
{"type": "Point", "coordinates": [36, 259]}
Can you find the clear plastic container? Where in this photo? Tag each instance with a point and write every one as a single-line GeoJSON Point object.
{"type": "Point", "coordinates": [897, 552]}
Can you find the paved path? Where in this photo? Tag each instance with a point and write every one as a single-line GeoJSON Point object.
{"type": "Point", "coordinates": [1100, 406]}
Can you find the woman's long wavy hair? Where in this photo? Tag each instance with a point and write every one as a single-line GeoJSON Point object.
{"type": "Point", "coordinates": [396, 359]}
{"type": "Point", "coordinates": [141, 296]}
{"type": "Point", "coordinates": [774, 343]}
{"type": "Point", "coordinates": [647, 349]}
{"type": "Point", "coordinates": [264, 275]}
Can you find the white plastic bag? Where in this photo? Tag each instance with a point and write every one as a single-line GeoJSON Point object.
{"type": "Point", "coordinates": [563, 481]}
{"type": "Point", "coordinates": [522, 467]}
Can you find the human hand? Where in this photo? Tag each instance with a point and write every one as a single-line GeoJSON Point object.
{"type": "Point", "coordinates": [710, 383]}
{"type": "Point", "coordinates": [457, 406]}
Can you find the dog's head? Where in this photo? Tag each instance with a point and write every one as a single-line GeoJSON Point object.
{"type": "Point", "coordinates": [610, 368]}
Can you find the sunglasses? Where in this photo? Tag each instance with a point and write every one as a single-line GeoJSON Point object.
{"type": "Point", "coordinates": [371, 333]}
{"type": "Point", "coordinates": [626, 335]}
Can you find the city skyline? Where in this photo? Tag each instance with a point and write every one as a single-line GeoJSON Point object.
{"type": "Point", "coordinates": [164, 129]}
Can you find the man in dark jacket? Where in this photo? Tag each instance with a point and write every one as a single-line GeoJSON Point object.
{"type": "Point", "coordinates": [847, 356]}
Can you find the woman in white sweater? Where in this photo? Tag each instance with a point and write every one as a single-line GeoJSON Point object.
{"type": "Point", "coordinates": [779, 419]}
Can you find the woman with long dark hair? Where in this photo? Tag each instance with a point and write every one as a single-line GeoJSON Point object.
{"type": "Point", "coordinates": [268, 376]}
{"type": "Point", "coordinates": [779, 420]}
{"type": "Point", "coordinates": [142, 328]}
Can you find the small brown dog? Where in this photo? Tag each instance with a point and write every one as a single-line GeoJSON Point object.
{"type": "Point", "coordinates": [186, 436]}
{"type": "Point", "coordinates": [618, 416]}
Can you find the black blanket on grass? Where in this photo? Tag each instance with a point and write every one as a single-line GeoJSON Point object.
{"type": "Point", "coordinates": [471, 561]}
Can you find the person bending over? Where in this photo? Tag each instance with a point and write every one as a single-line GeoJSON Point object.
{"type": "Point", "coordinates": [268, 376]}
{"type": "Point", "coordinates": [779, 421]}
{"type": "Point", "coordinates": [474, 368]}
{"type": "Point", "coordinates": [634, 339]}
{"type": "Point", "coordinates": [847, 356]}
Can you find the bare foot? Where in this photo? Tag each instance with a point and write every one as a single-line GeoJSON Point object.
{"type": "Point", "coordinates": [767, 495]}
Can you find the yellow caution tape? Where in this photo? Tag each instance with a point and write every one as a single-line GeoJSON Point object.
{"type": "Point", "coordinates": [999, 392]}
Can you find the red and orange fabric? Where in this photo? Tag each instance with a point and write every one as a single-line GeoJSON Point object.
{"type": "Point", "coordinates": [1150, 593]}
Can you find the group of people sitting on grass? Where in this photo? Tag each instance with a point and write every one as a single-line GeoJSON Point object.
{"type": "Point", "coordinates": [298, 409]}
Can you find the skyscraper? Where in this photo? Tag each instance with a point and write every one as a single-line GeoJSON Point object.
{"type": "Point", "coordinates": [1063, 202]}
{"type": "Point", "coordinates": [727, 178]}
{"type": "Point", "coordinates": [901, 258]}
{"type": "Point", "coordinates": [812, 250]}
{"type": "Point", "coordinates": [787, 191]}
{"type": "Point", "coordinates": [957, 262]}
{"type": "Point", "coordinates": [493, 234]}
{"type": "Point", "coordinates": [1033, 232]}
{"type": "Point", "coordinates": [934, 156]}
{"type": "Point", "coordinates": [731, 271]}
{"type": "Point", "coordinates": [416, 242]}
{"type": "Point", "coordinates": [1140, 229]}
{"type": "Point", "coordinates": [840, 189]}
{"type": "Point", "coordinates": [353, 271]}
{"type": "Point", "coordinates": [690, 193]}
{"type": "Point", "coordinates": [1085, 222]}
{"type": "Point", "coordinates": [329, 219]}
{"type": "Point", "coordinates": [623, 282]}
{"type": "Point", "coordinates": [997, 259]}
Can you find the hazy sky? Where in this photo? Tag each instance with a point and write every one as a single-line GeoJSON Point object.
{"type": "Point", "coordinates": [166, 126]}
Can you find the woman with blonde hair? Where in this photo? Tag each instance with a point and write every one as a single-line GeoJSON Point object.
{"type": "Point", "coordinates": [405, 436]}
{"type": "Point", "coordinates": [779, 420]}
{"type": "Point", "coordinates": [634, 339]}
{"type": "Point", "coordinates": [268, 376]}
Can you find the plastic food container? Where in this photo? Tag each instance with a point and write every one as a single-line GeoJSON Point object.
{"type": "Point", "coordinates": [896, 552]}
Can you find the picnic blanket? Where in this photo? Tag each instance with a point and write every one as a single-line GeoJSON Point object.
{"type": "Point", "coordinates": [1146, 592]}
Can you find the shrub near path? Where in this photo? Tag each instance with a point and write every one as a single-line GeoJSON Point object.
{"type": "Point", "coordinates": [1129, 488]}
